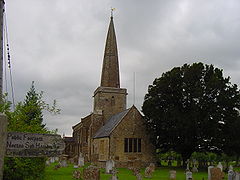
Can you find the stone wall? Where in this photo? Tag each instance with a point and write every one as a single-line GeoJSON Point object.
{"type": "Point", "coordinates": [101, 149]}
{"type": "Point", "coordinates": [132, 126]}
{"type": "Point", "coordinates": [81, 137]}
{"type": "Point", "coordinates": [109, 101]}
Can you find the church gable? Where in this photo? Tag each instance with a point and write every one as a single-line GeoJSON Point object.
{"type": "Point", "coordinates": [130, 142]}
{"type": "Point", "coordinates": [107, 129]}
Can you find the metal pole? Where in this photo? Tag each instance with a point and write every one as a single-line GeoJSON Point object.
{"type": "Point", "coordinates": [3, 119]}
{"type": "Point", "coordinates": [1, 45]}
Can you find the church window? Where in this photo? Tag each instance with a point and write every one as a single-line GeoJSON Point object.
{"type": "Point", "coordinates": [132, 145]}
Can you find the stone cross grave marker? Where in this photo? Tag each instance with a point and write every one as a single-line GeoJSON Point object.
{"type": "Point", "coordinates": [172, 175]}
{"type": "Point", "coordinates": [109, 166]}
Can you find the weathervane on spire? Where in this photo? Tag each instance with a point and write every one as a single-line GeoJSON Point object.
{"type": "Point", "coordinates": [112, 9]}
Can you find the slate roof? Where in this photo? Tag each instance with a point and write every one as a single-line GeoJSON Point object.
{"type": "Point", "coordinates": [106, 130]}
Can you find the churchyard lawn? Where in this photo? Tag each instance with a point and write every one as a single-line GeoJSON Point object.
{"type": "Point", "coordinates": [65, 173]}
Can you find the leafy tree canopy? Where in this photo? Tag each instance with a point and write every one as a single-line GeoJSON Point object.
{"type": "Point", "coordinates": [191, 108]}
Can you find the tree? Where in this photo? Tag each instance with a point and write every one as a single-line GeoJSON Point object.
{"type": "Point", "coordinates": [27, 117]}
{"type": "Point", "coordinates": [189, 108]}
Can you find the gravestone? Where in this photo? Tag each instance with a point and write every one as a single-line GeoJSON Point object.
{"type": "Point", "coordinates": [56, 159]}
{"type": "Point", "coordinates": [52, 159]}
{"type": "Point", "coordinates": [172, 175]}
{"type": "Point", "coordinates": [220, 166]}
{"type": "Point", "coordinates": [75, 166]}
{"type": "Point", "coordinates": [48, 163]}
{"type": "Point", "coordinates": [216, 174]}
{"type": "Point", "coordinates": [80, 161]}
{"type": "Point", "coordinates": [114, 174]}
{"type": "Point", "coordinates": [3, 141]}
{"type": "Point", "coordinates": [91, 173]}
{"type": "Point", "coordinates": [109, 166]}
{"type": "Point", "coordinates": [230, 167]}
{"type": "Point", "coordinates": [63, 163]}
{"type": "Point", "coordinates": [231, 175]}
{"type": "Point", "coordinates": [149, 170]}
{"type": "Point", "coordinates": [209, 172]}
{"type": "Point", "coordinates": [187, 169]}
{"type": "Point", "coordinates": [136, 172]}
{"type": "Point", "coordinates": [188, 175]}
{"type": "Point", "coordinates": [76, 174]}
{"type": "Point", "coordinates": [139, 176]}
{"type": "Point", "coordinates": [237, 176]}
{"type": "Point", "coordinates": [194, 169]}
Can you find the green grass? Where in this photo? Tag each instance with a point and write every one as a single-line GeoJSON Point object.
{"type": "Point", "coordinates": [65, 173]}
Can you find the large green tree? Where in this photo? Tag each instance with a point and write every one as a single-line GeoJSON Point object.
{"type": "Point", "coordinates": [189, 109]}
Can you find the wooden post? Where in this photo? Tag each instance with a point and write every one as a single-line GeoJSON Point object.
{"type": "Point", "coordinates": [3, 140]}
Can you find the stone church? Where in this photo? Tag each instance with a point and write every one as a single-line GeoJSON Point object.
{"type": "Point", "coordinates": [112, 131]}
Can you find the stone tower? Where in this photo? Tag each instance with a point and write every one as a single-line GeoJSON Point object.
{"type": "Point", "coordinates": [109, 98]}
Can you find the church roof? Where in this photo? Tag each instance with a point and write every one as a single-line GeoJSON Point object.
{"type": "Point", "coordinates": [110, 67]}
{"type": "Point", "coordinates": [106, 130]}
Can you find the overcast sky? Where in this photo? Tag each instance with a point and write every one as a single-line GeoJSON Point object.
{"type": "Point", "coordinates": [59, 44]}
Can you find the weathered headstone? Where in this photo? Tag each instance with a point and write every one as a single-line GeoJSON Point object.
{"type": "Point", "coordinates": [114, 174]}
{"type": "Point", "coordinates": [149, 170]}
{"type": "Point", "coordinates": [230, 167]}
{"type": "Point", "coordinates": [188, 175]}
{"type": "Point", "coordinates": [187, 169]}
{"type": "Point", "coordinates": [63, 163]}
{"type": "Point", "coordinates": [209, 172]}
{"type": "Point", "coordinates": [136, 172]}
{"type": "Point", "coordinates": [220, 166]}
{"type": "Point", "coordinates": [231, 175]}
{"type": "Point", "coordinates": [3, 140]}
{"type": "Point", "coordinates": [194, 169]}
{"type": "Point", "coordinates": [91, 173]}
{"type": "Point", "coordinates": [80, 161]}
{"type": "Point", "coordinates": [237, 176]}
{"type": "Point", "coordinates": [76, 174]}
{"type": "Point", "coordinates": [216, 174]}
{"type": "Point", "coordinates": [172, 175]}
{"type": "Point", "coordinates": [48, 163]}
{"type": "Point", "coordinates": [52, 159]}
{"type": "Point", "coordinates": [56, 159]}
{"type": "Point", "coordinates": [109, 166]}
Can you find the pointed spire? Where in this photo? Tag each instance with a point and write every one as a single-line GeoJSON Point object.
{"type": "Point", "coordinates": [110, 68]}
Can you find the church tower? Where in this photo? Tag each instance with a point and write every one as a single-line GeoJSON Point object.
{"type": "Point", "coordinates": [109, 98]}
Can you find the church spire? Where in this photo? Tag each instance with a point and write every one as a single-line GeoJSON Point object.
{"type": "Point", "coordinates": [110, 67]}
